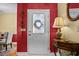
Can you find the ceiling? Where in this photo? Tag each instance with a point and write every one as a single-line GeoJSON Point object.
{"type": "Point", "coordinates": [8, 7]}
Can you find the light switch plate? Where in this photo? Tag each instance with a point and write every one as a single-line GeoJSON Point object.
{"type": "Point", "coordinates": [23, 29]}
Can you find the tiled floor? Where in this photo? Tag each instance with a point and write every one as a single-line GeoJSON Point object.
{"type": "Point", "coordinates": [29, 54]}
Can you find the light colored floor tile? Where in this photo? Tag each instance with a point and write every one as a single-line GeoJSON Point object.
{"type": "Point", "coordinates": [30, 54]}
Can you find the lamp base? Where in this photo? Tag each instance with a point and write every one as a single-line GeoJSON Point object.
{"type": "Point", "coordinates": [59, 34]}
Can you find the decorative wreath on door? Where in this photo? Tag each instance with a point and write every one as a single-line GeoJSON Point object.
{"type": "Point", "coordinates": [38, 26]}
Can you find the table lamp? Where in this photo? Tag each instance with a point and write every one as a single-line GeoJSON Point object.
{"type": "Point", "coordinates": [58, 23]}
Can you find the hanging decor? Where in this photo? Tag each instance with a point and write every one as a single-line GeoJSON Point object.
{"type": "Point", "coordinates": [22, 15]}
{"type": "Point", "coordinates": [38, 24]}
{"type": "Point", "coordinates": [22, 23]}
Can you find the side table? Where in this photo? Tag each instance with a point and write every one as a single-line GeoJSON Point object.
{"type": "Point", "coordinates": [73, 47]}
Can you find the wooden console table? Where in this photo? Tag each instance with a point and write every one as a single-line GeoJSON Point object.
{"type": "Point", "coordinates": [67, 45]}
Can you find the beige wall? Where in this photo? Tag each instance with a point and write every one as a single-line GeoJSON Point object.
{"type": "Point", "coordinates": [70, 32]}
{"type": "Point", "coordinates": [8, 22]}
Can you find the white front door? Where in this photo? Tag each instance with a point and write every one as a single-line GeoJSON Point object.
{"type": "Point", "coordinates": [38, 31]}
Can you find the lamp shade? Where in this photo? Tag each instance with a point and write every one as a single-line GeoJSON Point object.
{"type": "Point", "coordinates": [59, 22]}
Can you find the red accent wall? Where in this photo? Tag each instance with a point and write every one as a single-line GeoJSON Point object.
{"type": "Point", "coordinates": [22, 35]}
{"type": "Point", "coordinates": [14, 38]}
{"type": "Point", "coordinates": [74, 5]}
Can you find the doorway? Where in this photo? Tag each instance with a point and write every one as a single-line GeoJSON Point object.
{"type": "Point", "coordinates": [38, 31]}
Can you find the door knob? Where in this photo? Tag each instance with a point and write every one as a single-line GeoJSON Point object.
{"type": "Point", "coordinates": [29, 34]}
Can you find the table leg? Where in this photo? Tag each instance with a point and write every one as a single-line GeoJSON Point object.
{"type": "Point", "coordinates": [60, 52]}
{"type": "Point", "coordinates": [77, 53]}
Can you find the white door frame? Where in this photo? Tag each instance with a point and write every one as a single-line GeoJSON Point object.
{"type": "Point", "coordinates": [48, 25]}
